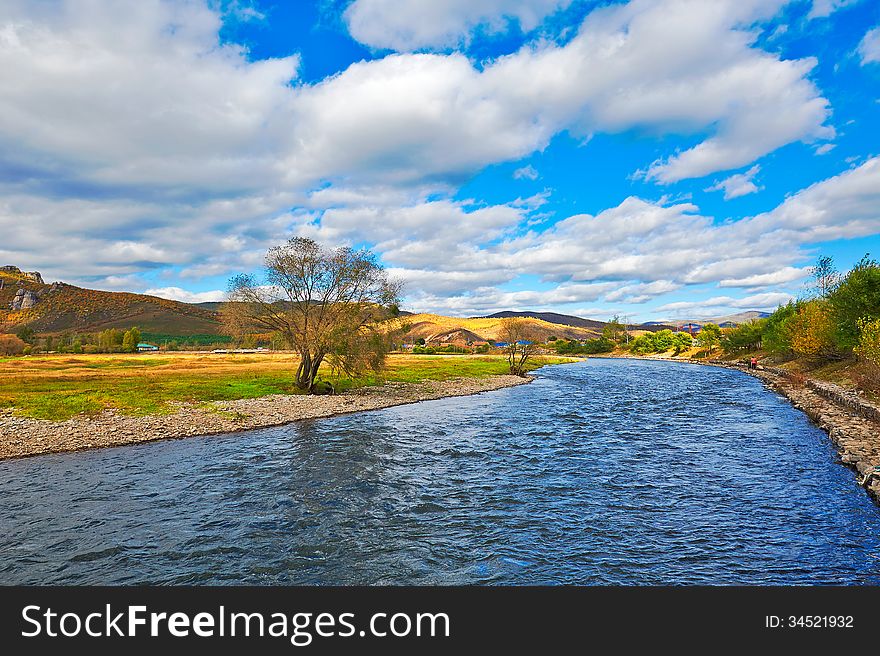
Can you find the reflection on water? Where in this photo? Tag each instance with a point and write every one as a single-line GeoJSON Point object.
{"type": "Point", "coordinates": [601, 472]}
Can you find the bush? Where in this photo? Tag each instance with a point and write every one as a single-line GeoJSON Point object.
{"type": "Point", "coordinates": [812, 330]}
{"type": "Point", "coordinates": [869, 340]}
{"type": "Point", "coordinates": [12, 345]}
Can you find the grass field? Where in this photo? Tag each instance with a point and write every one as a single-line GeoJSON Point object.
{"type": "Point", "coordinates": [61, 386]}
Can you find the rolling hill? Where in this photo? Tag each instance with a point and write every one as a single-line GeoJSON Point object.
{"type": "Point", "coordinates": [551, 317]}
{"type": "Point", "coordinates": [26, 301]}
{"type": "Point", "coordinates": [434, 327]}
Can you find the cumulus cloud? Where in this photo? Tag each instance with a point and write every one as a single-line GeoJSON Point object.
{"type": "Point", "coordinates": [764, 302]}
{"type": "Point", "coordinates": [526, 172]}
{"type": "Point", "coordinates": [869, 47]}
{"type": "Point", "coordinates": [141, 141]}
{"type": "Point", "coordinates": [405, 25]}
{"type": "Point", "coordinates": [738, 185]}
{"type": "Point", "coordinates": [178, 294]}
{"type": "Point", "coordinates": [824, 8]}
{"type": "Point", "coordinates": [641, 250]}
{"type": "Point", "coordinates": [780, 277]}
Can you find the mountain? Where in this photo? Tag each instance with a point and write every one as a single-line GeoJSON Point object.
{"type": "Point", "coordinates": [738, 318]}
{"type": "Point", "coordinates": [551, 317]}
{"type": "Point", "coordinates": [27, 301]}
{"type": "Point", "coordinates": [437, 328]}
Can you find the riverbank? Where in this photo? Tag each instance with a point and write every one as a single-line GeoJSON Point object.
{"type": "Point", "coordinates": [852, 422]}
{"type": "Point", "coordinates": [28, 436]}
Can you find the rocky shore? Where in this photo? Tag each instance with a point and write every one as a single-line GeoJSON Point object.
{"type": "Point", "coordinates": [23, 436]}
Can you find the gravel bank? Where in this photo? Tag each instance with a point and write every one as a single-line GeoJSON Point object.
{"type": "Point", "coordinates": [23, 436]}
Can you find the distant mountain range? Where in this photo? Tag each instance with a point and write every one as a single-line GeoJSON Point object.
{"type": "Point", "coordinates": [738, 318]}
{"type": "Point", "coordinates": [550, 317]}
{"type": "Point", "coordinates": [27, 301]}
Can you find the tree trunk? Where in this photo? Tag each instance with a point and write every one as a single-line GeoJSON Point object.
{"type": "Point", "coordinates": [303, 381]}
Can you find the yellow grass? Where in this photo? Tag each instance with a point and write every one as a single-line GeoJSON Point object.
{"type": "Point", "coordinates": [62, 386]}
{"type": "Point", "coordinates": [490, 329]}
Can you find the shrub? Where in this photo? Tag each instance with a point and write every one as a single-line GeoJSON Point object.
{"type": "Point", "coordinates": [869, 340]}
{"type": "Point", "coordinates": [11, 345]}
{"type": "Point", "coordinates": [812, 330]}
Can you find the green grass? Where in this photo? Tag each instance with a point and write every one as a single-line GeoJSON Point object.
{"type": "Point", "coordinates": [85, 385]}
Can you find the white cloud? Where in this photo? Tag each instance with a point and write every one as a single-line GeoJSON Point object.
{"type": "Point", "coordinates": [405, 25]}
{"type": "Point", "coordinates": [738, 185]}
{"type": "Point", "coordinates": [824, 149]}
{"type": "Point", "coordinates": [780, 277]}
{"type": "Point", "coordinates": [139, 141]}
{"type": "Point", "coordinates": [526, 172]}
{"type": "Point", "coordinates": [178, 294]}
{"type": "Point", "coordinates": [824, 8]}
{"type": "Point", "coordinates": [765, 302]}
{"type": "Point", "coordinates": [869, 47]}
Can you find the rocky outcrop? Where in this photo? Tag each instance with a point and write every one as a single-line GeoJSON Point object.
{"type": "Point", "coordinates": [33, 276]}
{"type": "Point", "coordinates": [24, 300]}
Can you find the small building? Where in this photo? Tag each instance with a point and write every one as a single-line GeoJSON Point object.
{"type": "Point", "coordinates": [144, 347]}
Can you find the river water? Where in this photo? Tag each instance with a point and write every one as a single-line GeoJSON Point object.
{"type": "Point", "coordinates": [600, 472]}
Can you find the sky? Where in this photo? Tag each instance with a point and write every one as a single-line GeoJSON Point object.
{"type": "Point", "coordinates": [654, 159]}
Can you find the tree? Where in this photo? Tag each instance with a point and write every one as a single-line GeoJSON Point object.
{"type": "Point", "coordinates": [130, 340]}
{"type": "Point", "coordinates": [825, 276]}
{"type": "Point", "coordinates": [777, 332]}
{"type": "Point", "coordinates": [856, 297]}
{"type": "Point", "coordinates": [812, 331]}
{"type": "Point", "coordinates": [663, 340]}
{"type": "Point", "coordinates": [644, 344]}
{"type": "Point", "coordinates": [709, 337]}
{"type": "Point", "coordinates": [325, 304]}
{"type": "Point", "coordinates": [520, 338]}
{"type": "Point", "coordinates": [613, 330]}
{"type": "Point", "coordinates": [745, 337]}
{"type": "Point", "coordinates": [11, 345]}
{"type": "Point", "coordinates": [682, 341]}
{"type": "Point", "coordinates": [25, 334]}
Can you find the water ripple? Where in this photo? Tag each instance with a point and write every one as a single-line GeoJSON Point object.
{"type": "Point", "coordinates": [601, 472]}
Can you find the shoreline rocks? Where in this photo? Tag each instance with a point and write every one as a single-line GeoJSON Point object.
{"type": "Point", "coordinates": [23, 436]}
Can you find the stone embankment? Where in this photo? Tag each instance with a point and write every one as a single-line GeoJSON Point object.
{"type": "Point", "coordinates": [24, 436]}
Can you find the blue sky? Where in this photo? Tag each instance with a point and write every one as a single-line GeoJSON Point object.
{"type": "Point", "coordinates": [652, 158]}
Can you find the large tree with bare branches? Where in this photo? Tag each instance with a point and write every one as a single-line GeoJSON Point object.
{"type": "Point", "coordinates": [520, 338]}
{"type": "Point", "coordinates": [324, 303]}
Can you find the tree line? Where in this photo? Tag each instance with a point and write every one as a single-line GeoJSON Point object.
{"type": "Point", "coordinates": [838, 320]}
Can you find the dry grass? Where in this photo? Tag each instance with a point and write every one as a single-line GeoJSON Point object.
{"type": "Point", "coordinates": [425, 325]}
{"type": "Point", "coordinates": [62, 386]}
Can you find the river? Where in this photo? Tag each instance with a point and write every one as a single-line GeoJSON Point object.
{"type": "Point", "coordinates": [600, 472]}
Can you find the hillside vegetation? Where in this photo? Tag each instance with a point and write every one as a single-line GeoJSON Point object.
{"type": "Point", "coordinates": [59, 308]}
